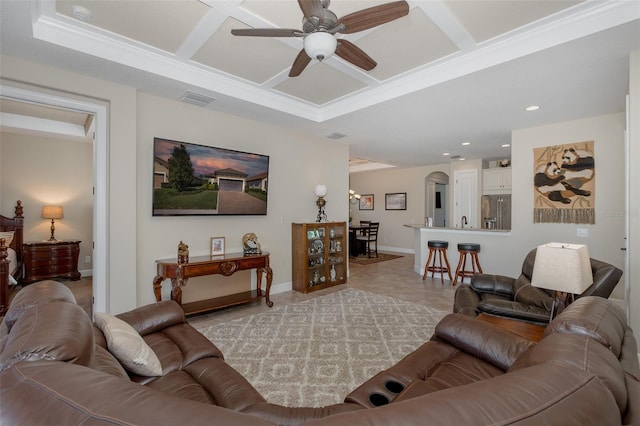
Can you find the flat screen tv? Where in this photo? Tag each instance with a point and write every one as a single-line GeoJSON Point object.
{"type": "Point", "coordinates": [190, 179]}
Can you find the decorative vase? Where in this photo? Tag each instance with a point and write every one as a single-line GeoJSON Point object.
{"type": "Point", "coordinates": [332, 273]}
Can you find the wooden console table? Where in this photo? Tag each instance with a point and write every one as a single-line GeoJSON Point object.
{"type": "Point", "coordinates": [226, 265]}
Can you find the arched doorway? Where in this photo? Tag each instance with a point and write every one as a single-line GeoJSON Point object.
{"type": "Point", "coordinates": [436, 193]}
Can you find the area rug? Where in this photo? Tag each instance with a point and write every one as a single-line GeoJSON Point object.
{"type": "Point", "coordinates": [315, 352]}
{"type": "Point", "coordinates": [364, 260]}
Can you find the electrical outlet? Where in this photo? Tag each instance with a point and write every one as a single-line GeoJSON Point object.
{"type": "Point", "coordinates": [87, 259]}
{"type": "Point", "coordinates": [582, 232]}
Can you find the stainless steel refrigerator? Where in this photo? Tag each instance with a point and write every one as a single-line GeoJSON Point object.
{"type": "Point", "coordinates": [496, 211]}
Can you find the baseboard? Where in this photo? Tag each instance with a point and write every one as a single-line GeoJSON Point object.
{"type": "Point", "coordinates": [281, 288]}
{"type": "Point", "coordinates": [86, 272]}
{"type": "Point", "coordinates": [397, 249]}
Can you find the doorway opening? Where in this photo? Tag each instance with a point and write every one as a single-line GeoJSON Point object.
{"type": "Point", "coordinates": [99, 111]}
{"type": "Point", "coordinates": [436, 196]}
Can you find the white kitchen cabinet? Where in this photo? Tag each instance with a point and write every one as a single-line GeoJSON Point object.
{"type": "Point", "coordinates": [496, 181]}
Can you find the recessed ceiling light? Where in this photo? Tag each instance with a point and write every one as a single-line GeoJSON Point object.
{"type": "Point", "coordinates": [81, 13]}
{"type": "Point", "coordinates": [466, 143]}
{"type": "Point", "coordinates": [445, 153]}
{"type": "Point", "coordinates": [461, 158]}
{"type": "Point", "coordinates": [506, 145]}
{"type": "Point", "coordinates": [532, 108]}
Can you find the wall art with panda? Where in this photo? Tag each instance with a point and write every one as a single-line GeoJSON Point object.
{"type": "Point", "coordinates": [564, 184]}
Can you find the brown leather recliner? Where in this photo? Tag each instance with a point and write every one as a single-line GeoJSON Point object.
{"type": "Point", "coordinates": [517, 298]}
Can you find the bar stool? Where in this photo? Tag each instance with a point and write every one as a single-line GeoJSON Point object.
{"type": "Point", "coordinates": [472, 249]}
{"type": "Point", "coordinates": [437, 249]}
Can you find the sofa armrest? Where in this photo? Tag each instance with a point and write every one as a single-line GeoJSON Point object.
{"type": "Point", "coordinates": [495, 284]}
{"type": "Point", "coordinates": [482, 340]}
{"type": "Point", "coordinates": [154, 317]}
{"type": "Point", "coordinates": [515, 310]}
{"type": "Point", "coordinates": [466, 301]}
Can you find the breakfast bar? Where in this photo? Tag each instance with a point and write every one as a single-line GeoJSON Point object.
{"type": "Point", "coordinates": [495, 244]}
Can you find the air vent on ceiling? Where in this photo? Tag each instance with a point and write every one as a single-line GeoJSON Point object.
{"type": "Point", "coordinates": [454, 157]}
{"type": "Point", "coordinates": [196, 99]}
{"type": "Point", "coordinates": [336, 136]}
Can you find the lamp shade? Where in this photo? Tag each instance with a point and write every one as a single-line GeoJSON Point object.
{"type": "Point", "coordinates": [320, 45]}
{"type": "Point", "coordinates": [52, 212]}
{"type": "Point", "coordinates": [562, 267]}
{"type": "Point", "coordinates": [320, 191]}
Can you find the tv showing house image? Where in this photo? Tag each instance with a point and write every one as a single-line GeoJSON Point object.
{"type": "Point", "coordinates": [191, 179]}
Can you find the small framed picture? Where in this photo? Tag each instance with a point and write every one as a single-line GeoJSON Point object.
{"type": "Point", "coordinates": [396, 201]}
{"type": "Point", "coordinates": [366, 202]}
{"type": "Point", "coordinates": [217, 246]}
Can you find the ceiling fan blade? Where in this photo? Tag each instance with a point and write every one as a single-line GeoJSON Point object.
{"type": "Point", "coordinates": [352, 53]}
{"type": "Point", "coordinates": [311, 8]}
{"type": "Point", "coordinates": [267, 32]}
{"type": "Point", "coordinates": [373, 16]}
{"type": "Point", "coordinates": [301, 62]}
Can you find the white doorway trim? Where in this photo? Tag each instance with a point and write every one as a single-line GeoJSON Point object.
{"type": "Point", "coordinates": [100, 178]}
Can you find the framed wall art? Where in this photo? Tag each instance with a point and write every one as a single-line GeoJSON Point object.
{"type": "Point", "coordinates": [217, 246]}
{"type": "Point", "coordinates": [395, 201]}
{"type": "Point", "coordinates": [366, 202]}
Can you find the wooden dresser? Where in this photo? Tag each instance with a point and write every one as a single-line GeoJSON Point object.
{"type": "Point", "coordinates": [44, 260]}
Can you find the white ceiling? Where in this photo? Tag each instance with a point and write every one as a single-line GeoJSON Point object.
{"type": "Point", "coordinates": [451, 71]}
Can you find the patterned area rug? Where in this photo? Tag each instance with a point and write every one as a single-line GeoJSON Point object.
{"type": "Point", "coordinates": [315, 352]}
{"type": "Point", "coordinates": [364, 260]}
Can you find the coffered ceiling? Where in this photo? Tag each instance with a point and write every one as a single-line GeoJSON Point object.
{"type": "Point", "coordinates": [450, 71]}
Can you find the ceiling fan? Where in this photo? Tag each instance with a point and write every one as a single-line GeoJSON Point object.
{"type": "Point", "coordinates": [319, 27]}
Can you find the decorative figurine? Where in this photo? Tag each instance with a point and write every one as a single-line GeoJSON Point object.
{"type": "Point", "coordinates": [250, 244]}
{"type": "Point", "coordinates": [183, 253]}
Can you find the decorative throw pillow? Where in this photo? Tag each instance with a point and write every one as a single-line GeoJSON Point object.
{"type": "Point", "coordinates": [8, 237]}
{"type": "Point", "coordinates": [128, 346]}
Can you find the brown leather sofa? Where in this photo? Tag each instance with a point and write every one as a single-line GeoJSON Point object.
{"type": "Point", "coordinates": [55, 369]}
{"type": "Point", "coordinates": [516, 298]}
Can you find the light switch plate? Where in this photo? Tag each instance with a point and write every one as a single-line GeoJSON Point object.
{"type": "Point", "coordinates": [583, 232]}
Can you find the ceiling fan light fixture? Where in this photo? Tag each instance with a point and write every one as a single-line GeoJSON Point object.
{"type": "Point", "coordinates": [320, 45]}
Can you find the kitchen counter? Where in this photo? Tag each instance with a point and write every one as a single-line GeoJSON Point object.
{"type": "Point", "coordinates": [449, 229]}
{"type": "Point", "coordinates": [495, 245]}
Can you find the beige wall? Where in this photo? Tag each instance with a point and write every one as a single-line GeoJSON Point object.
{"type": "Point", "coordinates": [605, 237]}
{"type": "Point", "coordinates": [121, 266]}
{"type": "Point", "coordinates": [298, 163]}
{"type": "Point", "coordinates": [393, 235]}
{"type": "Point", "coordinates": [49, 171]}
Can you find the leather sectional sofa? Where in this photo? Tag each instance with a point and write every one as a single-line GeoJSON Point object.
{"type": "Point", "coordinates": [55, 369]}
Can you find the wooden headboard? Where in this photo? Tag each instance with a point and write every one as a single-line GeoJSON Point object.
{"type": "Point", "coordinates": [15, 224]}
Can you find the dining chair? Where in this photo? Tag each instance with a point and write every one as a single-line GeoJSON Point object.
{"type": "Point", "coordinates": [364, 223]}
{"type": "Point", "coordinates": [371, 238]}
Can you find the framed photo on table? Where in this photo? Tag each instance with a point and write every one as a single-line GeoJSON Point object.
{"type": "Point", "coordinates": [217, 246]}
{"type": "Point", "coordinates": [395, 201]}
{"type": "Point", "coordinates": [366, 202]}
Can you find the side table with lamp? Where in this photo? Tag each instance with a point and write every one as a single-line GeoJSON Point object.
{"type": "Point", "coordinates": [51, 258]}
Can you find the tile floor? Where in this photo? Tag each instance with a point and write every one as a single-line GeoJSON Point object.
{"type": "Point", "coordinates": [394, 278]}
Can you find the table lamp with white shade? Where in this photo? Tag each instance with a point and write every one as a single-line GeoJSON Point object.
{"type": "Point", "coordinates": [562, 268]}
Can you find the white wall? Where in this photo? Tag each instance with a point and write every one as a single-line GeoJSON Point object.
{"type": "Point", "coordinates": [633, 211]}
